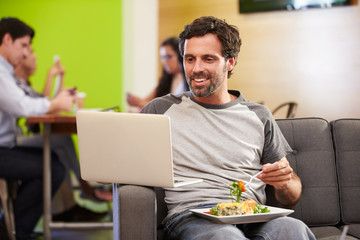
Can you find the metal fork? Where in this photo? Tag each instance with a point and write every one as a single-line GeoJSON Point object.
{"type": "Point", "coordinates": [248, 183]}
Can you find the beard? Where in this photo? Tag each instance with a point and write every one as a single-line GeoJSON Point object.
{"type": "Point", "coordinates": [215, 80]}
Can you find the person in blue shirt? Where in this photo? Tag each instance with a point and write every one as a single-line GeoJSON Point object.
{"type": "Point", "coordinates": [21, 163]}
{"type": "Point", "coordinates": [62, 145]}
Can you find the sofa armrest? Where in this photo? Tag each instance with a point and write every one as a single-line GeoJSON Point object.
{"type": "Point", "coordinates": [137, 209]}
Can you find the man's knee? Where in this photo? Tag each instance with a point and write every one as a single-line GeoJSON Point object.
{"type": "Point", "coordinates": [195, 228]}
{"type": "Point", "coordinates": [290, 223]}
{"type": "Point", "coordinates": [299, 228]}
{"type": "Point", "coordinates": [286, 228]}
{"type": "Point", "coordinates": [227, 232]}
{"type": "Point", "coordinates": [218, 232]}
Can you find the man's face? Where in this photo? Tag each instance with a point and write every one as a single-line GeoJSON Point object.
{"type": "Point", "coordinates": [18, 49]}
{"type": "Point", "coordinates": [205, 67]}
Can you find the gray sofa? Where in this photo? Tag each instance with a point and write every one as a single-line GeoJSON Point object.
{"type": "Point", "coordinates": [325, 155]}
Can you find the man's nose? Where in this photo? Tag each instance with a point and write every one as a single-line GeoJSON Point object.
{"type": "Point", "coordinates": [26, 52]}
{"type": "Point", "coordinates": [198, 66]}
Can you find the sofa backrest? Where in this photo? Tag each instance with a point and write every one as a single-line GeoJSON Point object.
{"type": "Point", "coordinates": [346, 136]}
{"type": "Point", "coordinates": [313, 160]}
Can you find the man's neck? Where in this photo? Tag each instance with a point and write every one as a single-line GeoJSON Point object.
{"type": "Point", "coordinates": [6, 61]}
{"type": "Point", "coordinates": [3, 53]}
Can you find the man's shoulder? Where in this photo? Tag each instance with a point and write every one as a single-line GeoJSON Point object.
{"type": "Point", "coordinates": [5, 69]}
{"type": "Point", "coordinates": [2, 68]}
{"type": "Point", "coordinates": [160, 105]}
{"type": "Point", "coordinates": [262, 112]}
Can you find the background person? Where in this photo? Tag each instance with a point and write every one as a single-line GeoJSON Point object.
{"type": "Point", "coordinates": [20, 163]}
{"type": "Point", "coordinates": [27, 67]}
{"type": "Point", "coordinates": [220, 137]}
{"type": "Point", "coordinates": [172, 79]}
{"type": "Point", "coordinates": [62, 145]}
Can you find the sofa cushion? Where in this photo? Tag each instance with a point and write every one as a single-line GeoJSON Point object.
{"type": "Point", "coordinates": [313, 160]}
{"type": "Point", "coordinates": [354, 230]}
{"type": "Point", "coordinates": [346, 135]}
{"type": "Point", "coordinates": [329, 233]}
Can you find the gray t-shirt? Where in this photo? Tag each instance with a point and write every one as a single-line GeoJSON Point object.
{"type": "Point", "coordinates": [219, 144]}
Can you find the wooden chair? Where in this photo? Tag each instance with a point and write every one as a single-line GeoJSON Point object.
{"type": "Point", "coordinates": [7, 193]}
{"type": "Point", "coordinates": [291, 109]}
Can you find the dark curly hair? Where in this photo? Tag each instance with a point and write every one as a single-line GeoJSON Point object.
{"type": "Point", "coordinates": [15, 28]}
{"type": "Point", "coordinates": [227, 34]}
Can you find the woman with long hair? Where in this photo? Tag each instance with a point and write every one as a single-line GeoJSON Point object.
{"type": "Point", "coordinates": [172, 79]}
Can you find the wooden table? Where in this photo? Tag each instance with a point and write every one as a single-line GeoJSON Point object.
{"type": "Point", "coordinates": [64, 124]}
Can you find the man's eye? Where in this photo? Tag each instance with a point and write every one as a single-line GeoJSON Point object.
{"type": "Point", "coordinates": [209, 59]}
{"type": "Point", "coordinates": [189, 59]}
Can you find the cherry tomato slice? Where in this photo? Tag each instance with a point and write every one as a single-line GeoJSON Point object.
{"type": "Point", "coordinates": [242, 186]}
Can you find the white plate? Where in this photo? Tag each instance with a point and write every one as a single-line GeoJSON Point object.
{"type": "Point", "coordinates": [248, 218]}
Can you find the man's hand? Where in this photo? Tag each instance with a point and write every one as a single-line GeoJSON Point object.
{"type": "Point", "coordinates": [62, 102]}
{"type": "Point", "coordinates": [277, 174]}
{"type": "Point", "coordinates": [286, 183]}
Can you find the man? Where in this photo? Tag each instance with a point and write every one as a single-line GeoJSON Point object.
{"type": "Point", "coordinates": [19, 163]}
{"type": "Point", "coordinates": [220, 137]}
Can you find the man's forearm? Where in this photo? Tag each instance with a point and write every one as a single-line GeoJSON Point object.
{"type": "Point", "coordinates": [290, 194]}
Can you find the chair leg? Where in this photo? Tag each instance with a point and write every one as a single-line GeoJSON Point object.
{"type": "Point", "coordinates": [8, 209]}
{"type": "Point", "coordinates": [12, 219]}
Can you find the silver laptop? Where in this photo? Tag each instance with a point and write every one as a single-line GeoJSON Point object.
{"type": "Point", "coordinates": [127, 148]}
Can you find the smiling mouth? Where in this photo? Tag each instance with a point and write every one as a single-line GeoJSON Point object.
{"type": "Point", "coordinates": [199, 79]}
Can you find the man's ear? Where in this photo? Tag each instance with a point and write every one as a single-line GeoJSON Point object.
{"type": "Point", "coordinates": [7, 39]}
{"type": "Point", "coordinates": [231, 63]}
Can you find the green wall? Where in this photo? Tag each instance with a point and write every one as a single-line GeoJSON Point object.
{"type": "Point", "coordinates": [87, 36]}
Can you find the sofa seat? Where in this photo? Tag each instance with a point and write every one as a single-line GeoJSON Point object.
{"type": "Point", "coordinates": [326, 156]}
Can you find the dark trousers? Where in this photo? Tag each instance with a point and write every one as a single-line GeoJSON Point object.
{"type": "Point", "coordinates": [26, 164]}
